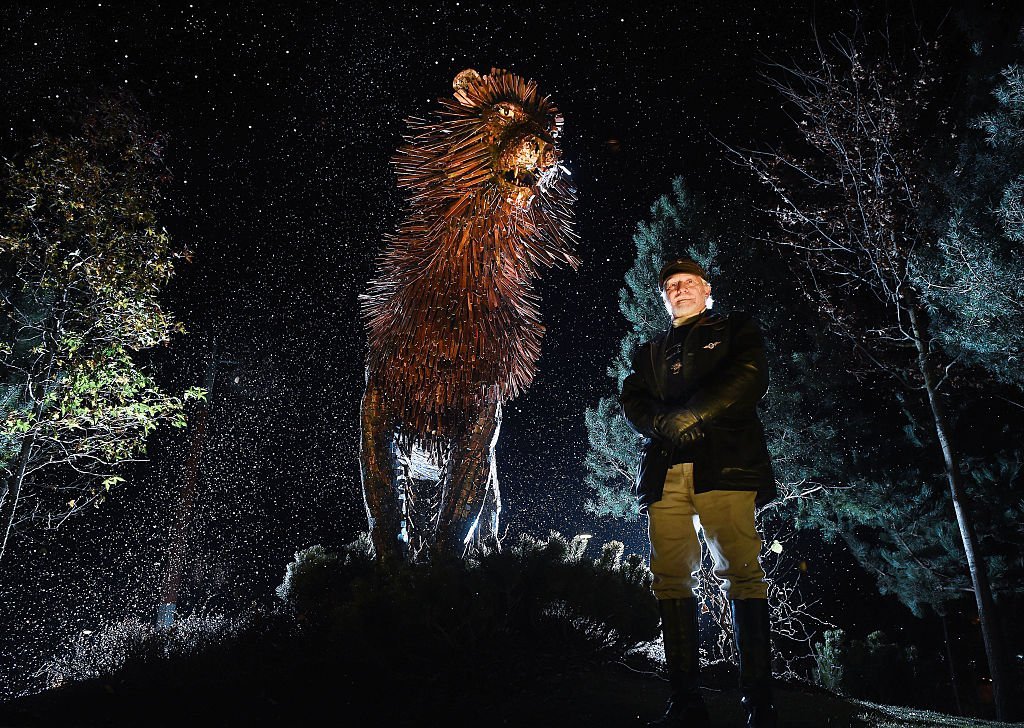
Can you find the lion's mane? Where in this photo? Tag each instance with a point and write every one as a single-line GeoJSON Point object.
{"type": "Point", "coordinates": [452, 316]}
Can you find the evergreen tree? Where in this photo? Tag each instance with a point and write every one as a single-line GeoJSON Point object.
{"type": "Point", "coordinates": [82, 259]}
{"type": "Point", "coordinates": [799, 422]}
{"type": "Point", "coordinates": [676, 228]}
{"type": "Point", "coordinates": [973, 280]}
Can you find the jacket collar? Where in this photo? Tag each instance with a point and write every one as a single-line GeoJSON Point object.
{"type": "Point", "coordinates": [707, 318]}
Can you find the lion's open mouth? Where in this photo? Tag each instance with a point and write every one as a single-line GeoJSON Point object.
{"type": "Point", "coordinates": [520, 178]}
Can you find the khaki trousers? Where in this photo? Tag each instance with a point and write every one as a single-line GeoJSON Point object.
{"type": "Point", "coordinates": [727, 519]}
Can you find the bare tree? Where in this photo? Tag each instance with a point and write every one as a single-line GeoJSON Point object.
{"type": "Point", "coordinates": [850, 213]}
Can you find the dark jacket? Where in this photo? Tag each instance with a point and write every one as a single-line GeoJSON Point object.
{"type": "Point", "coordinates": [726, 374]}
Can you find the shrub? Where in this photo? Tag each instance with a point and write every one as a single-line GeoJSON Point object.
{"type": "Point", "coordinates": [874, 669]}
{"type": "Point", "coordinates": [544, 590]}
{"type": "Point", "coordinates": [828, 658]}
{"type": "Point", "coordinates": [131, 644]}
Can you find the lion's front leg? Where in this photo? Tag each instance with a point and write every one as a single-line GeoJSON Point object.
{"type": "Point", "coordinates": [470, 484]}
{"type": "Point", "coordinates": [380, 468]}
{"type": "Point", "coordinates": [491, 510]}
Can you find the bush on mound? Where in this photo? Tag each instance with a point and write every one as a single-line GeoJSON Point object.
{"type": "Point", "coordinates": [538, 594]}
{"type": "Point", "coordinates": [537, 590]}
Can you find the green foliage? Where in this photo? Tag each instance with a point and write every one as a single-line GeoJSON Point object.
{"type": "Point", "coordinates": [676, 228]}
{"type": "Point", "coordinates": [973, 278]}
{"type": "Point", "coordinates": [895, 514]}
{"type": "Point", "coordinates": [131, 644]}
{"type": "Point", "coordinates": [874, 668]}
{"type": "Point", "coordinates": [611, 461]}
{"type": "Point", "coordinates": [538, 590]}
{"type": "Point", "coordinates": [316, 573]}
{"type": "Point", "coordinates": [82, 261]}
{"type": "Point", "coordinates": [911, 542]}
{"type": "Point", "coordinates": [809, 415]}
{"type": "Point", "coordinates": [828, 656]}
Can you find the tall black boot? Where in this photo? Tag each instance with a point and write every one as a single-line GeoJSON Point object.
{"type": "Point", "coordinates": [751, 628]}
{"type": "Point", "coordinates": [686, 707]}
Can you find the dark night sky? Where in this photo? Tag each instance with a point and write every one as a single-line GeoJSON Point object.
{"type": "Point", "coordinates": [281, 119]}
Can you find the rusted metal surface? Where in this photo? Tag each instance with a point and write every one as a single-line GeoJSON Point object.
{"type": "Point", "coordinates": [453, 323]}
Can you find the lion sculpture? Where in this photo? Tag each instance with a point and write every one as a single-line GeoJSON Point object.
{"type": "Point", "coordinates": [452, 318]}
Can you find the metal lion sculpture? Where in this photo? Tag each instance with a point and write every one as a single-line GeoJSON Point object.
{"type": "Point", "coordinates": [453, 324]}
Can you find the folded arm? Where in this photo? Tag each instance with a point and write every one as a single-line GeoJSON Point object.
{"type": "Point", "coordinates": [743, 381]}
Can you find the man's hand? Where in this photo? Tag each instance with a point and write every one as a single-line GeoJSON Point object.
{"type": "Point", "coordinates": [681, 427]}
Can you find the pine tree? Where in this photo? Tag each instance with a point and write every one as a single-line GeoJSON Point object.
{"type": "Point", "coordinates": [973, 280]}
{"type": "Point", "coordinates": [676, 228]}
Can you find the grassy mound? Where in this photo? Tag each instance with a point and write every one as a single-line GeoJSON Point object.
{"type": "Point", "coordinates": [533, 635]}
{"type": "Point", "coordinates": [388, 644]}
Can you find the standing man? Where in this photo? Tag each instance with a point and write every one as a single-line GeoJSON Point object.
{"type": "Point", "coordinates": [693, 395]}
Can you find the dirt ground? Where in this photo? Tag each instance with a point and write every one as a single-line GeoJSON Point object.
{"type": "Point", "coordinates": [594, 696]}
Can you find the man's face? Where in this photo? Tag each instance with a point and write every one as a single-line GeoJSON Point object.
{"type": "Point", "coordinates": [685, 294]}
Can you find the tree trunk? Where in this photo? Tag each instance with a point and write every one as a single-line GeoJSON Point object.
{"type": "Point", "coordinates": [952, 665]}
{"type": "Point", "coordinates": [978, 569]}
{"type": "Point", "coordinates": [13, 487]}
{"type": "Point", "coordinates": [186, 504]}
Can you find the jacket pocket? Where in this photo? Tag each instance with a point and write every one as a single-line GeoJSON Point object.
{"type": "Point", "coordinates": [650, 473]}
{"type": "Point", "coordinates": [739, 447]}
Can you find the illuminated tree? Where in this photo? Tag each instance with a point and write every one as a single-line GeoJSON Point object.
{"type": "Point", "coordinates": [82, 259]}
{"type": "Point", "coordinates": [673, 230]}
{"type": "Point", "coordinates": [973, 279]}
{"type": "Point", "coordinates": [851, 213]}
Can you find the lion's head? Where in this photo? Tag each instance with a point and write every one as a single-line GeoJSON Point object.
{"type": "Point", "coordinates": [496, 134]}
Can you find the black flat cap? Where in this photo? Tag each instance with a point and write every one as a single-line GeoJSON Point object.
{"type": "Point", "coordinates": [680, 265]}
